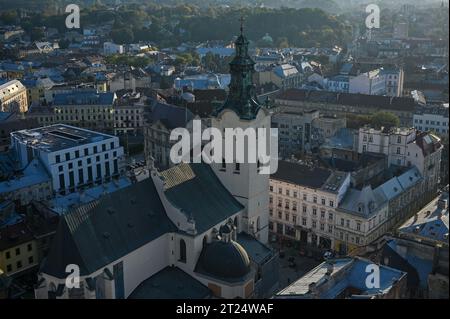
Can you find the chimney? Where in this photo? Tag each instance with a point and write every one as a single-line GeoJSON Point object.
{"type": "Point", "coordinates": [313, 289]}
{"type": "Point", "coordinates": [442, 203]}
{"type": "Point", "coordinates": [330, 269]}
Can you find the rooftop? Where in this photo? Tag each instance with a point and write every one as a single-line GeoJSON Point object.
{"type": "Point", "coordinates": [117, 223]}
{"type": "Point", "coordinates": [196, 189]}
{"type": "Point", "coordinates": [59, 137]}
{"type": "Point", "coordinates": [305, 175]}
{"type": "Point", "coordinates": [171, 283]}
{"type": "Point", "coordinates": [352, 99]}
{"type": "Point", "coordinates": [344, 280]}
{"type": "Point", "coordinates": [35, 173]}
{"type": "Point", "coordinates": [10, 88]}
{"type": "Point", "coordinates": [84, 98]}
{"type": "Point", "coordinates": [429, 223]}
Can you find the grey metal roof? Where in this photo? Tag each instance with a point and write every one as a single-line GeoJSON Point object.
{"type": "Point", "coordinates": [224, 260]}
{"type": "Point", "coordinates": [102, 231]}
{"type": "Point", "coordinates": [170, 115]}
{"type": "Point", "coordinates": [362, 202]}
{"type": "Point", "coordinates": [300, 174]}
{"type": "Point", "coordinates": [171, 283]}
{"type": "Point", "coordinates": [202, 196]}
{"type": "Point", "coordinates": [257, 251]}
{"type": "Point", "coordinates": [58, 137]}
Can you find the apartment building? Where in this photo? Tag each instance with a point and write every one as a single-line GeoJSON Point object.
{"type": "Point", "coordinates": [303, 131]}
{"type": "Point", "coordinates": [406, 147]}
{"type": "Point", "coordinates": [302, 203]}
{"type": "Point", "coordinates": [87, 109]}
{"type": "Point", "coordinates": [23, 245]}
{"type": "Point", "coordinates": [371, 83]}
{"type": "Point", "coordinates": [341, 104]}
{"type": "Point", "coordinates": [432, 118]}
{"type": "Point", "coordinates": [13, 97]}
{"type": "Point", "coordinates": [74, 157]}
{"type": "Point", "coordinates": [366, 214]}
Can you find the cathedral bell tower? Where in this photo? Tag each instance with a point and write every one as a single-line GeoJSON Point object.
{"type": "Point", "coordinates": [243, 110]}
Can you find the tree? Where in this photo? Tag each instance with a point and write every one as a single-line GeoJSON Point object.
{"type": "Point", "coordinates": [9, 17]}
{"type": "Point", "coordinates": [122, 35]}
{"type": "Point", "coordinates": [384, 119]}
{"type": "Point", "coordinates": [282, 43]}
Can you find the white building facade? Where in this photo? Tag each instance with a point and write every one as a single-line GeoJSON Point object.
{"type": "Point", "coordinates": [74, 157]}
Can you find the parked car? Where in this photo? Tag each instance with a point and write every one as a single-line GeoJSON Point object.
{"type": "Point", "coordinates": [328, 255]}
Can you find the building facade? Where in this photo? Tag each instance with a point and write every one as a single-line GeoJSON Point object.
{"type": "Point", "coordinates": [303, 201]}
{"type": "Point", "coordinates": [74, 157]}
{"type": "Point", "coordinates": [13, 97]}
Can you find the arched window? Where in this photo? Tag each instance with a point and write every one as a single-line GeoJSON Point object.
{"type": "Point", "coordinates": [182, 251]}
{"type": "Point", "coordinates": [258, 223]}
{"type": "Point", "coordinates": [236, 222]}
{"type": "Point", "coordinates": [205, 240]}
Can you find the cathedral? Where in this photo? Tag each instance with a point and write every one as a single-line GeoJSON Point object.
{"type": "Point", "coordinates": [191, 231]}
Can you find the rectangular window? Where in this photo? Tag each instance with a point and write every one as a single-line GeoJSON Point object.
{"type": "Point", "coordinates": [90, 177]}
{"type": "Point", "coordinates": [30, 260]}
{"type": "Point", "coordinates": [71, 179]}
{"type": "Point", "coordinates": [80, 176]}
{"type": "Point", "coordinates": [116, 167]}
{"type": "Point", "coordinates": [107, 169]}
{"type": "Point", "coordinates": [29, 247]}
{"type": "Point", "coordinates": [58, 159]}
{"type": "Point", "coordinates": [99, 171]}
{"type": "Point", "coordinates": [62, 183]}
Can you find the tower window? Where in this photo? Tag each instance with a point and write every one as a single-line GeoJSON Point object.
{"type": "Point", "coordinates": [182, 251]}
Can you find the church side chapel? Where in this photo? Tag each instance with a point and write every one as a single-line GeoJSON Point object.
{"type": "Point", "coordinates": [192, 231]}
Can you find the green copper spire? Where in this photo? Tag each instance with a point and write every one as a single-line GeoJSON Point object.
{"type": "Point", "coordinates": [242, 95]}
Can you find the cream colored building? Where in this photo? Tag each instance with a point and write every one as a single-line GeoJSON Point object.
{"type": "Point", "coordinates": [13, 97]}
{"type": "Point", "coordinates": [302, 204]}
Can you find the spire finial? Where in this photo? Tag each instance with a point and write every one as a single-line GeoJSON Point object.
{"type": "Point", "coordinates": [242, 24]}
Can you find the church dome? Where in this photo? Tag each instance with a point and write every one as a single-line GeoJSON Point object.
{"type": "Point", "coordinates": [225, 260]}
{"type": "Point", "coordinates": [267, 38]}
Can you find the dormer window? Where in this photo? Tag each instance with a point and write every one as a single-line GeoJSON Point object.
{"type": "Point", "coordinates": [360, 207]}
